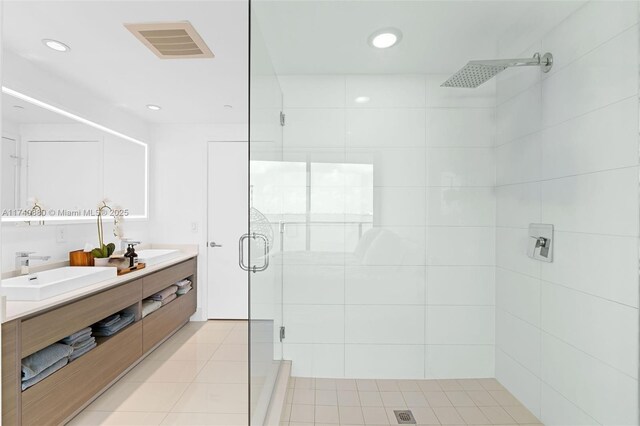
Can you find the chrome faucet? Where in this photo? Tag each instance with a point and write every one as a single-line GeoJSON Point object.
{"type": "Point", "coordinates": [23, 261]}
{"type": "Point", "coordinates": [126, 241]}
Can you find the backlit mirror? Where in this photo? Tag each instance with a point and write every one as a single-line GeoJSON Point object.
{"type": "Point", "coordinates": [57, 167]}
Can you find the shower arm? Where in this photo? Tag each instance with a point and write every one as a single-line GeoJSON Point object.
{"type": "Point", "coordinates": [544, 61]}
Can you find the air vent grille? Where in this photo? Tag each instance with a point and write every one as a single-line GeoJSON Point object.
{"type": "Point", "coordinates": [171, 40]}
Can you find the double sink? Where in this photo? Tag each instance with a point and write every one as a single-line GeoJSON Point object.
{"type": "Point", "coordinates": [53, 282]}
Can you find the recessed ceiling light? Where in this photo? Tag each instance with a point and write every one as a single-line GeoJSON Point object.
{"type": "Point", "coordinates": [227, 106]}
{"type": "Point", "coordinates": [154, 107]}
{"type": "Point", "coordinates": [385, 38]}
{"type": "Point", "coordinates": [56, 45]}
{"type": "Point", "coordinates": [362, 99]}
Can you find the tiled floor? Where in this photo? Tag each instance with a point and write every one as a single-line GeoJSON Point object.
{"type": "Point", "coordinates": [197, 377]}
{"type": "Point", "coordinates": [372, 402]}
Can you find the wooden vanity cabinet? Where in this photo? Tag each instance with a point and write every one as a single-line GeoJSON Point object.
{"type": "Point", "coordinates": [60, 396]}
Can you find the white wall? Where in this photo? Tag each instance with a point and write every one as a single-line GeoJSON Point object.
{"type": "Point", "coordinates": [179, 187]}
{"type": "Point", "coordinates": [428, 312]}
{"type": "Point", "coordinates": [567, 154]}
{"type": "Point", "coordinates": [23, 76]}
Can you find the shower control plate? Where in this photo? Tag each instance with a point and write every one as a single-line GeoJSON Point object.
{"type": "Point", "coordinates": [540, 243]}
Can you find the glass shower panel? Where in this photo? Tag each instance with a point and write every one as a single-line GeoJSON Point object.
{"type": "Point", "coordinates": [263, 242]}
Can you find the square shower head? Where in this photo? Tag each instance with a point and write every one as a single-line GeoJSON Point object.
{"type": "Point", "coordinates": [474, 74]}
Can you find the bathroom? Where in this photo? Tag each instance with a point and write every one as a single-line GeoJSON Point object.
{"type": "Point", "coordinates": [319, 212]}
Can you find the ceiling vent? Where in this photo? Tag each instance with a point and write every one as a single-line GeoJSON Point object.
{"type": "Point", "coordinates": [171, 40]}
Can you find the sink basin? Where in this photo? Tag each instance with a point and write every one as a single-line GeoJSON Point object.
{"type": "Point", "coordinates": [154, 256]}
{"type": "Point", "coordinates": [45, 284]}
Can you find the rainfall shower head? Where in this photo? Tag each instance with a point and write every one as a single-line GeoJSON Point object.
{"type": "Point", "coordinates": [475, 73]}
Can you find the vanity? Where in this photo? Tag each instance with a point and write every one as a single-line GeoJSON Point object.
{"type": "Point", "coordinates": [32, 326]}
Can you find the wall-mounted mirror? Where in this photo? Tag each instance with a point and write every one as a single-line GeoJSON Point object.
{"type": "Point", "coordinates": [57, 167]}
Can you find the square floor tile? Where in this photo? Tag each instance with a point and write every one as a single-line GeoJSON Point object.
{"type": "Point", "coordinates": [370, 399]}
{"type": "Point", "coordinates": [351, 416]}
{"type": "Point", "coordinates": [302, 413]}
{"type": "Point", "coordinates": [326, 397]}
{"type": "Point", "coordinates": [327, 414]}
{"type": "Point", "coordinates": [472, 416]}
{"type": "Point", "coordinates": [448, 416]}
{"type": "Point", "coordinates": [375, 416]}
{"type": "Point", "coordinates": [497, 415]}
{"type": "Point", "coordinates": [348, 398]}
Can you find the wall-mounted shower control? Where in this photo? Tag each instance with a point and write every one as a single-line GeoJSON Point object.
{"type": "Point", "coordinates": [540, 244]}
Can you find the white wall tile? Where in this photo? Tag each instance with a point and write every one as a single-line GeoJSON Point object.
{"type": "Point", "coordinates": [314, 323]}
{"type": "Point", "coordinates": [583, 145]}
{"type": "Point", "coordinates": [394, 127]}
{"type": "Point", "coordinates": [382, 324]}
{"type": "Point", "coordinates": [437, 96]}
{"type": "Point", "coordinates": [511, 251]}
{"type": "Point", "coordinates": [585, 261]}
{"type": "Point", "coordinates": [606, 394]}
{"type": "Point", "coordinates": [460, 285]}
{"type": "Point", "coordinates": [384, 361]}
{"type": "Point", "coordinates": [519, 339]}
{"type": "Point", "coordinates": [604, 329]}
{"type": "Point", "coordinates": [460, 206]}
{"type": "Point", "coordinates": [465, 325]}
{"type": "Point", "coordinates": [314, 127]}
{"type": "Point", "coordinates": [519, 116]}
{"type": "Point", "coordinates": [519, 295]}
{"type": "Point", "coordinates": [460, 167]}
{"type": "Point", "coordinates": [370, 285]}
{"type": "Point", "coordinates": [519, 160]}
{"type": "Point", "coordinates": [578, 35]}
{"type": "Point", "coordinates": [320, 360]}
{"type": "Point", "coordinates": [603, 202]}
{"type": "Point", "coordinates": [522, 383]}
{"type": "Point", "coordinates": [386, 91]}
{"type": "Point", "coordinates": [518, 205]}
{"type": "Point", "coordinates": [590, 83]}
{"type": "Point", "coordinates": [450, 361]}
{"type": "Point", "coordinates": [313, 91]}
{"type": "Point", "coordinates": [400, 245]}
{"type": "Point", "coordinates": [392, 166]}
{"type": "Point", "coordinates": [516, 80]}
{"type": "Point", "coordinates": [462, 127]}
{"type": "Point", "coordinates": [313, 284]}
{"type": "Point", "coordinates": [399, 206]}
{"type": "Point", "coordinates": [557, 410]}
{"type": "Point", "coordinates": [466, 246]}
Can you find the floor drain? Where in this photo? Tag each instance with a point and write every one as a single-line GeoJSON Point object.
{"type": "Point", "coordinates": [404, 417]}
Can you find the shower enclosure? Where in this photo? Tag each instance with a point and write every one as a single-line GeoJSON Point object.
{"type": "Point", "coordinates": [394, 191]}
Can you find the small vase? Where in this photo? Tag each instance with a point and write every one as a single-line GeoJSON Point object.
{"type": "Point", "coordinates": [101, 261]}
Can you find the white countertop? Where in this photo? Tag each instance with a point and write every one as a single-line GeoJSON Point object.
{"type": "Point", "coordinates": [19, 309]}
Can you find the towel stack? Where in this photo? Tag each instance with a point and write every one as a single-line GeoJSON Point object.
{"type": "Point", "coordinates": [44, 363]}
{"type": "Point", "coordinates": [150, 305]}
{"type": "Point", "coordinates": [81, 341]}
{"type": "Point", "coordinates": [184, 287]}
{"type": "Point", "coordinates": [112, 324]}
{"type": "Point", "coordinates": [161, 298]}
{"type": "Point", "coordinates": [165, 296]}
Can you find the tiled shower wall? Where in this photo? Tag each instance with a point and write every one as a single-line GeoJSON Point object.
{"type": "Point", "coordinates": [567, 155]}
{"type": "Point", "coordinates": [421, 303]}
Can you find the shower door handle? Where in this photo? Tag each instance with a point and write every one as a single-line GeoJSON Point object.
{"type": "Point", "coordinates": [254, 268]}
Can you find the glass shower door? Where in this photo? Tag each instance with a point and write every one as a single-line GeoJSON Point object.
{"type": "Point", "coordinates": [262, 242]}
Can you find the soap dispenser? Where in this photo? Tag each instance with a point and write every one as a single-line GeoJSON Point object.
{"type": "Point", "coordinates": [129, 255]}
{"type": "Point", "coordinates": [134, 256]}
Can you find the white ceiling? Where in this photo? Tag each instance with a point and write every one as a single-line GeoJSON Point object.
{"type": "Point", "coordinates": [108, 60]}
{"type": "Point", "coordinates": [307, 37]}
{"type": "Point", "coordinates": [28, 113]}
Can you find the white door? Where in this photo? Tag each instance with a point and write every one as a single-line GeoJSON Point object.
{"type": "Point", "coordinates": [227, 222]}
